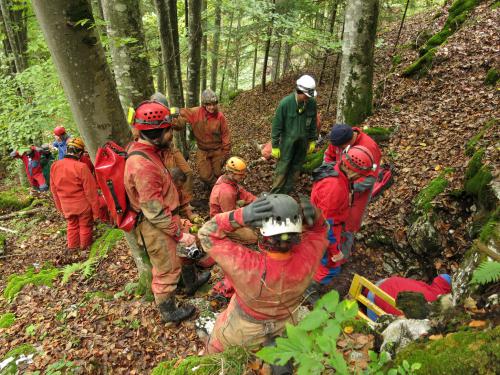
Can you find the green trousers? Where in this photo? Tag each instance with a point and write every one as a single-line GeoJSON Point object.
{"type": "Point", "coordinates": [292, 156]}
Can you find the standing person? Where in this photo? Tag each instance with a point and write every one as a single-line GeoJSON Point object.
{"type": "Point", "coordinates": [294, 133]}
{"type": "Point", "coordinates": [341, 137]}
{"type": "Point", "coordinates": [395, 285]}
{"type": "Point", "coordinates": [211, 133]}
{"type": "Point", "coordinates": [75, 195]}
{"type": "Point", "coordinates": [228, 194]}
{"type": "Point", "coordinates": [152, 192]}
{"type": "Point", "coordinates": [31, 159]}
{"type": "Point", "coordinates": [332, 194]}
{"type": "Point", "coordinates": [61, 141]}
{"type": "Point", "coordinates": [46, 160]}
{"type": "Point", "coordinates": [268, 283]}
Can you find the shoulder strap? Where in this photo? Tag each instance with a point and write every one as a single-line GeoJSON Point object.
{"type": "Point", "coordinates": [140, 153]}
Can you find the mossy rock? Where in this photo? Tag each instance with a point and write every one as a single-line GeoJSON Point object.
{"type": "Point", "coordinates": [15, 199]}
{"type": "Point", "coordinates": [470, 147]}
{"type": "Point", "coordinates": [492, 77]}
{"type": "Point", "coordinates": [475, 164]}
{"type": "Point", "coordinates": [472, 352]}
{"type": "Point", "coordinates": [490, 229]}
{"type": "Point", "coordinates": [420, 67]}
{"type": "Point", "coordinates": [423, 201]}
{"type": "Point", "coordinates": [378, 134]}
{"type": "Point", "coordinates": [233, 361]}
{"type": "Point", "coordinates": [477, 186]}
{"type": "Point", "coordinates": [435, 41]}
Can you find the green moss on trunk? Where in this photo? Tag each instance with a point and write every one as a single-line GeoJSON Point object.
{"type": "Point", "coordinates": [470, 147]}
{"type": "Point", "coordinates": [422, 65]}
{"type": "Point", "coordinates": [423, 201]}
{"type": "Point", "coordinates": [458, 353]}
{"type": "Point", "coordinates": [378, 134]}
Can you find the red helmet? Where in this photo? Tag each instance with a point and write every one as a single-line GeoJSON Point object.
{"type": "Point", "coordinates": [358, 159]}
{"type": "Point", "coordinates": [59, 131]}
{"type": "Point", "coordinates": [152, 115]}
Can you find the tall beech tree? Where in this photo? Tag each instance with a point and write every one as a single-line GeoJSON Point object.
{"type": "Point", "coordinates": [194, 59]}
{"type": "Point", "coordinates": [354, 96]}
{"type": "Point", "coordinates": [214, 53]}
{"type": "Point", "coordinates": [15, 27]}
{"type": "Point", "coordinates": [127, 44]}
{"type": "Point", "coordinates": [88, 84]}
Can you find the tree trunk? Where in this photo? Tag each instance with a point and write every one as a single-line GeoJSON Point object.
{"type": "Point", "coordinates": [266, 56]}
{"type": "Point", "coordinates": [354, 98]}
{"type": "Point", "coordinates": [15, 29]}
{"type": "Point", "coordinates": [238, 54]}
{"type": "Point", "coordinates": [400, 27]}
{"type": "Point", "coordinates": [254, 70]}
{"type": "Point", "coordinates": [204, 46]}
{"type": "Point", "coordinates": [194, 59]}
{"type": "Point", "coordinates": [287, 58]}
{"type": "Point", "coordinates": [7, 48]}
{"type": "Point", "coordinates": [214, 64]}
{"type": "Point", "coordinates": [160, 82]}
{"type": "Point", "coordinates": [87, 82]}
{"type": "Point", "coordinates": [330, 30]}
{"type": "Point", "coordinates": [169, 40]}
{"type": "Point", "coordinates": [131, 67]}
{"type": "Point", "coordinates": [226, 57]}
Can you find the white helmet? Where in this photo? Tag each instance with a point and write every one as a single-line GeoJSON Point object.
{"type": "Point", "coordinates": [286, 216]}
{"type": "Point", "coordinates": [307, 85]}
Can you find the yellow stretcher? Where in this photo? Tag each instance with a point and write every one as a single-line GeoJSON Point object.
{"type": "Point", "coordinates": [356, 292]}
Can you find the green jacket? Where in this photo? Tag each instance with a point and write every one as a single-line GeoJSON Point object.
{"type": "Point", "coordinates": [289, 125]}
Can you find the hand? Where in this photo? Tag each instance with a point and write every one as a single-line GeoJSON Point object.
{"type": "Point", "coordinates": [197, 219]}
{"type": "Point", "coordinates": [13, 154]}
{"type": "Point", "coordinates": [308, 210]}
{"type": "Point", "coordinates": [255, 212]}
{"type": "Point", "coordinates": [337, 257]}
{"type": "Point", "coordinates": [187, 239]}
{"type": "Point", "coordinates": [312, 146]}
{"type": "Point", "coordinates": [275, 153]}
{"type": "Point", "coordinates": [174, 112]}
{"type": "Point", "coordinates": [240, 203]}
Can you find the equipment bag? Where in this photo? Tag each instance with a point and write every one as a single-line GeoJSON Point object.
{"type": "Point", "coordinates": [109, 171]}
{"type": "Point", "coordinates": [384, 180]}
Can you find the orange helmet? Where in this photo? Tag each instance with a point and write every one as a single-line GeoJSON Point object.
{"type": "Point", "coordinates": [77, 143]}
{"type": "Point", "coordinates": [236, 165]}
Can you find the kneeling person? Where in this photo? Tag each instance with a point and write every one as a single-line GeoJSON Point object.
{"type": "Point", "coordinates": [228, 194]}
{"type": "Point", "coordinates": [269, 284]}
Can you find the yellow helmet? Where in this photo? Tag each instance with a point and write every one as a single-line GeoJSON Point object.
{"type": "Point", "coordinates": [236, 165]}
{"type": "Point", "coordinates": [77, 143]}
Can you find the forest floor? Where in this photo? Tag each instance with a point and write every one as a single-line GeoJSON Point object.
{"type": "Point", "coordinates": [98, 324]}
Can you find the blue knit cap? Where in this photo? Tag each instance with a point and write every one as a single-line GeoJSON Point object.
{"type": "Point", "coordinates": [340, 134]}
{"type": "Point", "coordinates": [446, 277]}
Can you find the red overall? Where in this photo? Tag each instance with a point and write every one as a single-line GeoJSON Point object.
{"type": "Point", "coordinates": [151, 191]}
{"type": "Point", "coordinates": [269, 286]}
{"type": "Point", "coordinates": [34, 170]}
{"type": "Point", "coordinates": [363, 186]}
{"type": "Point", "coordinates": [225, 194]}
{"type": "Point", "coordinates": [395, 284]}
{"type": "Point", "coordinates": [75, 195]}
{"type": "Point", "coordinates": [85, 159]}
{"type": "Point", "coordinates": [332, 196]}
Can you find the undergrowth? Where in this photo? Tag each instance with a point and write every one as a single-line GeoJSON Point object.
{"type": "Point", "coordinates": [423, 201]}
{"type": "Point", "coordinates": [15, 283]}
{"type": "Point", "coordinates": [7, 319]}
{"type": "Point", "coordinates": [15, 199]}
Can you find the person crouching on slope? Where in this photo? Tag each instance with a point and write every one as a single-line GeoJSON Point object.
{"type": "Point", "coordinates": [332, 193]}
{"type": "Point", "coordinates": [269, 283]}
{"type": "Point", "coordinates": [228, 194]}
{"type": "Point", "coordinates": [152, 192]}
{"type": "Point", "coordinates": [75, 195]}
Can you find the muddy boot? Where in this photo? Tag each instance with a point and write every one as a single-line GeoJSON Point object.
{"type": "Point", "coordinates": [192, 279]}
{"type": "Point", "coordinates": [313, 293]}
{"type": "Point", "coordinates": [170, 312]}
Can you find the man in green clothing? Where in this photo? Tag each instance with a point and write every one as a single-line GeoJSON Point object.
{"type": "Point", "coordinates": [294, 133]}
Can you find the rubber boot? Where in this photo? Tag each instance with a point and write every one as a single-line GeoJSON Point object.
{"type": "Point", "coordinates": [313, 293]}
{"type": "Point", "coordinates": [170, 312]}
{"type": "Point", "coordinates": [192, 279]}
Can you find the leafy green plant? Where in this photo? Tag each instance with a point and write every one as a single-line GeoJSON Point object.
{"type": "Point", "coordinates": [487, 272]}
{"type": "Point", "coordinates": [7, 319]}
{"type": "Point", "coordinates": [15, 353]}
{"type": "Point", "coordinates": [15, 283]}
{"type": "Point", "coordinates": [61, 367]}
{"type": "Point", "coordinates": [31, 330]}
{"type": "Point", "coordinates": [312, 343]}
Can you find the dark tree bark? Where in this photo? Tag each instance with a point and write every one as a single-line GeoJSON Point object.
{"type": "Point", "coordinates": [226, 57]}
{"type": "Point", "coordinates": [287, 58]}
{"type": "Point", "coordinates": [194, 59]}
{"type": "Point", "coordinates": [237, 51]}
{"type": "Point", "coordinates": [88, 84]}
{"type": "Point", "coordinates": [354, 99]}
{"type": "Point", "coordinates": [7, 48]}
{"type": "Point", "coordinates": [254, 70]}
{"type": "Point", "coordinates": [16, 31]}
{"type": "Point", "coordinates": [160, 83]}
{"type": "Point", "coordinates": [131, 67]}
{"type": "Point", "coordinates": [333, 16]}
{"type": "Point", "coordinates": [266, 57]}
{"type": "Point", "coordinates": [214, 64]}
{"type": "Point", "coordinates": [204, 46]}
{"type": "Point", "coordinates": [400, 27]}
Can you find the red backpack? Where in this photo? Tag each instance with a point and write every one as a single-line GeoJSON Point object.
{"type": "Point", "coordinates": [109, 171]}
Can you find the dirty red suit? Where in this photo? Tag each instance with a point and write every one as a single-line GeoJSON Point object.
{"type": "Point", "coordinates": [364, 185]}
{"type": "Point", "coordinates": [151, 191]}
{"type": "Point", "coordinates": [224, 197]}
{"type": "Point", "coordinates": [34, 170]}
{"type": "Point", "coordinates": [75, 195]}
{"type": "Point", "coordinates": [269, 285]}
{"type": "Point", "coordinates": [212, 137]}
{"type": "Point", "coordinates": [332, 196]}
{"type": "Point", "coordinates": [395, 284]}
{"type": "Point", "coordinates": [85, 159]}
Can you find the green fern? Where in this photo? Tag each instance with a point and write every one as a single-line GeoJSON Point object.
{"type": "Point", "coordinates": [487, 272]}
{"type": "Point", "coordinates": [7, 319]}
{"type": "Point", "coordinates": [15, 283]}
{"type": "Point", "coordinates": [69, 270]}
